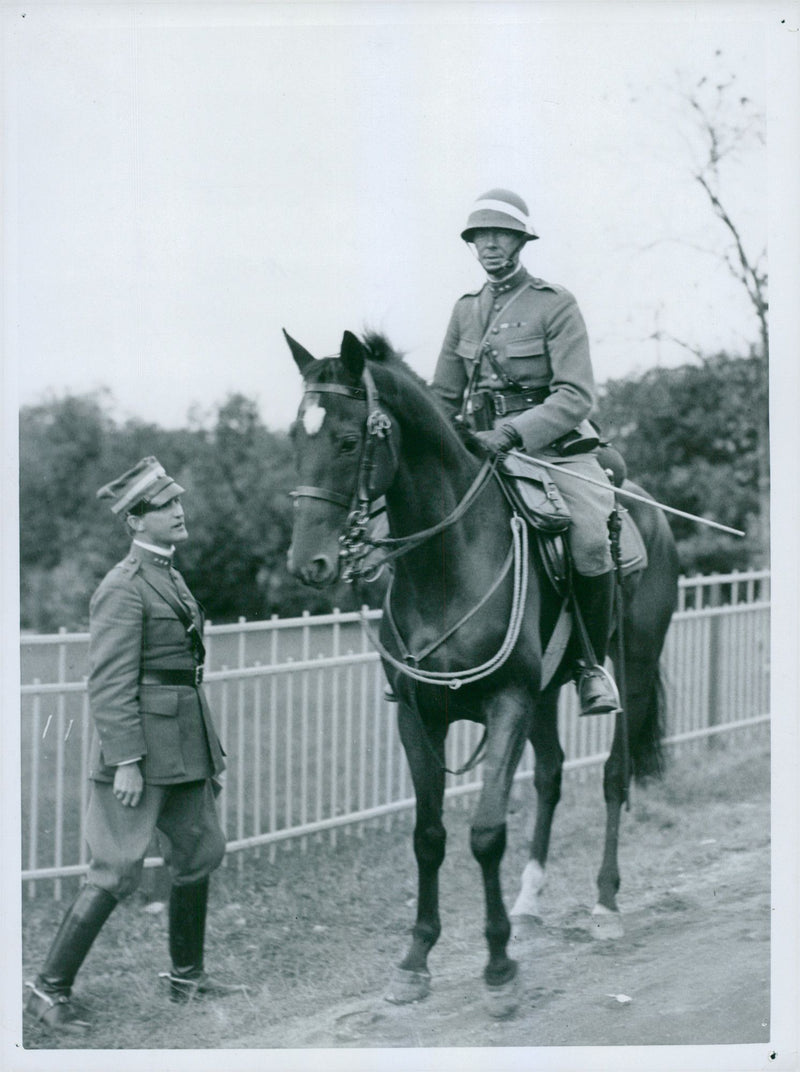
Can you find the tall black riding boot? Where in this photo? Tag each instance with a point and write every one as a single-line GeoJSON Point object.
{"type": "Point", "coordinates": [49, 997]}
{"type": "Point", "coordinates": [187, 930]}
{"type": "Point", "coordinates": [597, 693]}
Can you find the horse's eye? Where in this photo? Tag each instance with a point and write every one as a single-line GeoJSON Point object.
{"type": "Point", "coordinates": [348, 444]}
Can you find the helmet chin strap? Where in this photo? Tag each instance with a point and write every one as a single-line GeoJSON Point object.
{"type": "Point", "coordinates": [509, 265]}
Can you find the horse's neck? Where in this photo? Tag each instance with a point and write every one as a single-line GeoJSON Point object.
{"type": "Point", "coordinates": [428, 487]}
{"type": "Point", "coordinates": [431, 480]}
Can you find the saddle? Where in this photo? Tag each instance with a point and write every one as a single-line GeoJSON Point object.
{"type": "Point", "coordinates": [537, 498]}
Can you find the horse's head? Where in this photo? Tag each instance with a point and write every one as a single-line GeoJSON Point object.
{"type": "Point", "coordinates": [345, 446]}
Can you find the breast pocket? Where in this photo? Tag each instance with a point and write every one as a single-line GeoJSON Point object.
{"type": "Point", "coordinates": [164, 631]}
{"type": "Point", "coordinates": [529, 357]}
{"type": "Point", "coordinates": [158, 708]}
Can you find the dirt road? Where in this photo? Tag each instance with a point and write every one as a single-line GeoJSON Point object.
{"type": "Point", "coordinates": [316, 934]}
{"type": "Point", "coordinates": [692, 968]}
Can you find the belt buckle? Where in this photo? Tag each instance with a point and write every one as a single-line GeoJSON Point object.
{"type": "Point", "coordinates": [198, 675]}
{"type": "Point", "coordinates": [499, 403]}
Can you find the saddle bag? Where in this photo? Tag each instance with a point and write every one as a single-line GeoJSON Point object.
{"type": "Point", "coordinates": [534, 493]}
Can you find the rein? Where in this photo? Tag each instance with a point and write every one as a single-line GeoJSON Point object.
{"type": "Point", "coordinates": [454, 679]}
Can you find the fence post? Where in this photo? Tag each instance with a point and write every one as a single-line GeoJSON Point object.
{"type": "Point", "coordinates": [714, 665]}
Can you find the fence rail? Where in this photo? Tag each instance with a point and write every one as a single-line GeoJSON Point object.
{"type": "Point", "coordinates": [312, 743]}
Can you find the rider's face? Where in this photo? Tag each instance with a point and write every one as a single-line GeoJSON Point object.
{"type": "Point", "coordinates": [498, 250]}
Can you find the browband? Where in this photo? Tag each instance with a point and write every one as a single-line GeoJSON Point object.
{"type": "Point", "coordinates": [336, 389]}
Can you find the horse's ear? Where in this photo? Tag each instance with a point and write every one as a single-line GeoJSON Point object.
{"type": "Point", "coordinates": [353, 355]}
{"type": "Point", "coordinates": [302, 358]}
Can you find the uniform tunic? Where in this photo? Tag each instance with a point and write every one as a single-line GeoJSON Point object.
{"type": "Point", "coordinates": [134, 629]}
{"type": "Point", "coordinates": [529, 332]}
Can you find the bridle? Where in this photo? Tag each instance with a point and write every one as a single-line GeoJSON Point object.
{"type": "Point", "coordinates": [354, 541]}
{"type": "Point", "coordinates": [378, 426]}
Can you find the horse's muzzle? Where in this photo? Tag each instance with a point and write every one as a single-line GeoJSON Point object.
{"type": "Point", "coordinates": [318, 572]}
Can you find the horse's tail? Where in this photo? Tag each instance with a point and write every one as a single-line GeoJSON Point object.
{"type": "Point", "coordinates": [646, 751]}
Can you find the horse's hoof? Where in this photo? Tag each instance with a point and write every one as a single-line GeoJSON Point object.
{"type": "Point", "coordinates": [408, 986]}
{"type": "Point", "coordinates": [606, 926]}
{"type": "Point", "coordinates": [525, 927]}
{"type": "Point", "coordinates": [502, 1001]}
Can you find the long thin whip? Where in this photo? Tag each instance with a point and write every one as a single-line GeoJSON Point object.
{"type": "Point", "coordinates": [628, 494]}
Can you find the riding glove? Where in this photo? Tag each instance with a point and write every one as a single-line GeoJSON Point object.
{"type": "Point", "coordinates": [501, 439]}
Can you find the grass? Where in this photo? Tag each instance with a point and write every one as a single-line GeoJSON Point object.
{"type": "Point", "coordinates": [311, 929]}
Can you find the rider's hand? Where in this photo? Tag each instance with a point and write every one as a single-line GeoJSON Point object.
{"type": "Point", "coordinates": [128, 784]}
{"type": "Point", "coordinates": [501, 439]}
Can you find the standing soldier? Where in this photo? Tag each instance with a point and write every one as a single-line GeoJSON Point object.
{"type": "Point", "coordinates": [516, 359]}
{"type": "Point", "coordinates": [155, 753]}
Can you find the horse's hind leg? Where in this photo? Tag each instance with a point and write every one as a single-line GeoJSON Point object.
{"type": "Point", "coordinates": [606, 919]}
{"type": "Point", "coordinates": [426, 761]}
{"type": "Point", "coordinates": [643, 737]}
{"type": "Point", "coordinates": [549, 761]}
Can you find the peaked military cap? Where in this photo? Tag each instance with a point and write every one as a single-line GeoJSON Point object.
{"type": "Point", "coordinates": [146, 482]}
{"type": "Point", "coordinates": [501, 209]}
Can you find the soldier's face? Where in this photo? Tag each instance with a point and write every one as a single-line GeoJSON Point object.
{"type": "Point", "coordinates": [498, 250]}
{"type": "Point", "coordinates": [164, 526]}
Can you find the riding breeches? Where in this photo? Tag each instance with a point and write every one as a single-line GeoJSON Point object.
{"type": "Point", "coordinates": [118, 836]}
{"type": "Point", "coordinates": [590, 507]}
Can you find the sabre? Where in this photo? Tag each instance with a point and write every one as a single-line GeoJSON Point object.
{"type": "Point", "coordinates": [630, 495]}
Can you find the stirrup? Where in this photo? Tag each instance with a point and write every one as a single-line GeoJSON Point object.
{"type": "Point", "coordinates": [605, 700]}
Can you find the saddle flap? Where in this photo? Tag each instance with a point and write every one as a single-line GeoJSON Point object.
{"type": "Point", "coordinates": [632, 551]}
{"type": "Point", "coordinates": [534, 493]}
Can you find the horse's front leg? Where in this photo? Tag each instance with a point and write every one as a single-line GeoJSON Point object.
{"type": "Point", "coordinates": [508, 721]}
{"type": "Point", "coordinates": [549, 762]}
{"type": "Point", "coordinates": [424, 748]}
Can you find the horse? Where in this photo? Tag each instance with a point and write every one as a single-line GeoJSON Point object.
{"type": "Point", "coordinates": [464, 627]}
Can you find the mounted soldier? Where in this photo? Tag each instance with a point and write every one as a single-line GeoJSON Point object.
{"type": "Point", "coordinates": [515, 366]}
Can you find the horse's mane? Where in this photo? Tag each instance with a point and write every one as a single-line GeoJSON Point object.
{"type": "Point", "coordinates": [401, 388]}
{"type": "Point", "coordinates": [404, 389]}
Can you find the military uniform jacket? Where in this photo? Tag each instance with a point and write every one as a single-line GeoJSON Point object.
{"type": "Point", "coordinates": [535, 333]}
{"type": "Point", "coordinates": [133, 629]}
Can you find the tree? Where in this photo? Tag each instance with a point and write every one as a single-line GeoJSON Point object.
{"type": "Point", "coordinates": [239, 516]}
{"type": "Point", "coordinates": [690, 436]}
{"type": "Point", "coordinates": [727, 132]}
{"type": "Point", "coordinates": [62, 443]}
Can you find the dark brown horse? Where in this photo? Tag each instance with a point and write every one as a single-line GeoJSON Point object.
{"type": "Point", "coordinates": [465, 625]}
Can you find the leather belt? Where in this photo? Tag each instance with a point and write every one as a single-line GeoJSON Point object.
{"type": "Point", "coordinates": [504, 402]}
{"type": "Point", "coordinates": [192, 678]}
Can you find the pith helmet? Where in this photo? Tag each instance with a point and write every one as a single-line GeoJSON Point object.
{"type": "Point", "coordinates": [146, 483]}
{"type": "Point", "coordinates": [500, 208]}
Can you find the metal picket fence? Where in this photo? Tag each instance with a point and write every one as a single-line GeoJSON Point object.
{"type": "Point", "coordinates": [312, 742]}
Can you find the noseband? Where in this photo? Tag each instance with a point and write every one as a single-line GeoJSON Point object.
{"type": "Point", "coordinates": [378, 427]}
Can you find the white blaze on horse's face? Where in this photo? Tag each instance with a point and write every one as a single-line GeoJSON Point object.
{"type": "Point", "coordinates": [312, 416]}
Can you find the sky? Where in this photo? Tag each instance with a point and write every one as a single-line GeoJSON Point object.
{"type": "Point", "coordinates": [184, 181]}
